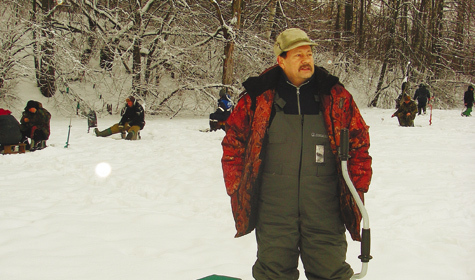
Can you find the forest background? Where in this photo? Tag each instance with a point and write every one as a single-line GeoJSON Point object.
{"type": "Point", "coordinates": [175, 55]}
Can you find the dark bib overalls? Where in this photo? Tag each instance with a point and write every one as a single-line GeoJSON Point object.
{"type": "Point", "coordinates": [299, 206]}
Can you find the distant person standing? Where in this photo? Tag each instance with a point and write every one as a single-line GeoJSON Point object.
{"type": "Point", "coordinates": [406, 112]}
{"type": "Point", "coordinates": [468, 102]}
{"type": "Point", "coordinates": [422, 95]}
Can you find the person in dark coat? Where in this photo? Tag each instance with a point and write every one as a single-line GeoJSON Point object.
{"type": "Point", "coordinates": [10, 132]}
{"type": "Point", "coordinates": [406, 112]}
{"type": "Point", "coordinates": [422, 95]}
{"type": "Point", "coordinates": [468, 101]}
{"type": "Point", "coordinates": [225, 107]}
{"type": "Point", "coordinates": [35, 124]}
{"type": "Point", "coordinates": [132, 121]}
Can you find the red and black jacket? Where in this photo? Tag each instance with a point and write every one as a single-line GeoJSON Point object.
{"type": "Point", "coordinates": [246, 129]}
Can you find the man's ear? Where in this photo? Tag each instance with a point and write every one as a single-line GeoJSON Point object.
{"type": "Point", "coordinates": [280, 61]}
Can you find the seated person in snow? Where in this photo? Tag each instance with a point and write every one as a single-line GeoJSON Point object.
{"type": "Point", "coordinates": [35, 124]}
{"type": "Point", "coordinates": [219, 117]}
{"type": "Point", "coordinates": [9, 129]}
{"type": "Point", "coordinates": [406, 112]}
{"type": "Point", "coordinates": [132, 121]}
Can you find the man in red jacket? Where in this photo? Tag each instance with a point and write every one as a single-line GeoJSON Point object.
{"type": "Point", "coordinates": [282, 170]}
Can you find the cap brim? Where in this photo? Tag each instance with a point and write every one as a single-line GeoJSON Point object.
{"type": "Point", "coordinates": [296, 45]}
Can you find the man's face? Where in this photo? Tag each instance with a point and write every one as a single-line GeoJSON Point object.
{"type": "Point", "coordinates": [32, 110]}
{"type": "Point", "coordinates": [298, 66]}
{"type": "Point", "coordinates": [129, 103]}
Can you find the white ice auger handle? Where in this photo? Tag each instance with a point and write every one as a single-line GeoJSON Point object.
{"type": "Point", "coordinates": [365, 235]}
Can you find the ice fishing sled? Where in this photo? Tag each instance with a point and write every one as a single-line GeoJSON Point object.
{"type": "Point", "coordinates": [219, 277]}
{"type": "Point", "coordinates": [19, 148]}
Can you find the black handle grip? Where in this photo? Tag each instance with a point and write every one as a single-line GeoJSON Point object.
{"type": "Point", "coordinates": [344, 144]}
{"type": "Point", "coordinates": [365, 246]}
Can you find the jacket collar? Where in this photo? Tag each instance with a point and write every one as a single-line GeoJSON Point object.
{"type": "Point", "coordinates": [269, 80]}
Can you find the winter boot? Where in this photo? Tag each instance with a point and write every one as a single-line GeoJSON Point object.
{"type": "Point", "coordinates": [32, 147]}
{"type": "Point", "coordinates": [467, 112]}
{"type": "Point", "coordinates": [213, 125]}
{"type": "Point", "coordinates": [104, 133]}
{"type": "Point", "coordinates": [37, 145]}
{"type": "Point", "coordinates": [131, 135]}
{"type": "Point", "coordinates": [41, 145]}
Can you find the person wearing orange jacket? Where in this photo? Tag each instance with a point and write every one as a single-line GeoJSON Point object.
{"type": "Point", "coordinates": [282, 170]}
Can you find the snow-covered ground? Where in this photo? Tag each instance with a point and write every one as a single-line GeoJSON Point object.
{"type": "Point", "coordinates": [163, 213]}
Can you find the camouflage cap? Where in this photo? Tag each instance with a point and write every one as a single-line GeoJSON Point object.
{"type": "Point", "coordinates": [290, 39]}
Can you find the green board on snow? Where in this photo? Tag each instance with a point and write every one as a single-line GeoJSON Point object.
{"type": "Point", "coordinates": [218, 277]}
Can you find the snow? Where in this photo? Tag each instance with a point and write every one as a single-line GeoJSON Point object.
{"type": "Point", "coordinates": [163, 213]}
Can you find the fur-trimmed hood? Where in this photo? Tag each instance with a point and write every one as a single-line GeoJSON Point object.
{"type": "Point", "coordinates": [269, 79]}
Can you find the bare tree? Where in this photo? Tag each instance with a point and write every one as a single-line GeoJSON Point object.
{"type": "Point", "coordinates": [177, 54]}
{"type": "Point", "coordinates": [389, 52]}
{"type": "Point", "coordinates": [45, 57]}
{"type": "Point", "coordinates": [13, 44]}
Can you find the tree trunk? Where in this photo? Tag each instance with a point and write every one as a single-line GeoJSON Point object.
{"type": "Point", "coordinates": [361, 26]}
{"type": "Point", "coordinates": [270, 19]}
{"type": "Point", "coordinates": [388, 52]}
{"type": "Point", "coordinates": [419, 34]}
{"type": "Point", "coordinates": [229, 47]}
{"type": "Point", "coordinates": [47, 68]}
{"type": "Point", "coordinates": [137, 60]}
{"type": "Point", "coordinates": [348, 27]}
{"type": "Point", "coordinates": [458, 38]}
{"type": "Point", "coordinates": [35, 44]}
{"type": "Point", "coordinates": [337, 32]}
{"type": "Point", "coordinates": [437, 36]}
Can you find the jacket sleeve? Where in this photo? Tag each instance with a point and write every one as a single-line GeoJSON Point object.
{"type": "Point", "coordinates": [234, 144]}
{"type": "Point", "coordinates": [413, 109]}
{"type": "Point", "coordinates": [45, 122]}
{"type": "Point", "coordinates": [221, 106]}
{"type": "Point", "coordinates": [125, 116]}
{"type": "Point", "coordinates": [360, 161]}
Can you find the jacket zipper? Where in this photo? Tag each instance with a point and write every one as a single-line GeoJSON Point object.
{"type": "Point", "coordinates": [301, 139]}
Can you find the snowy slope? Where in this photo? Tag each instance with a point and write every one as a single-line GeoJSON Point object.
{"type": "Point", "coordinates": [163, 212]}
